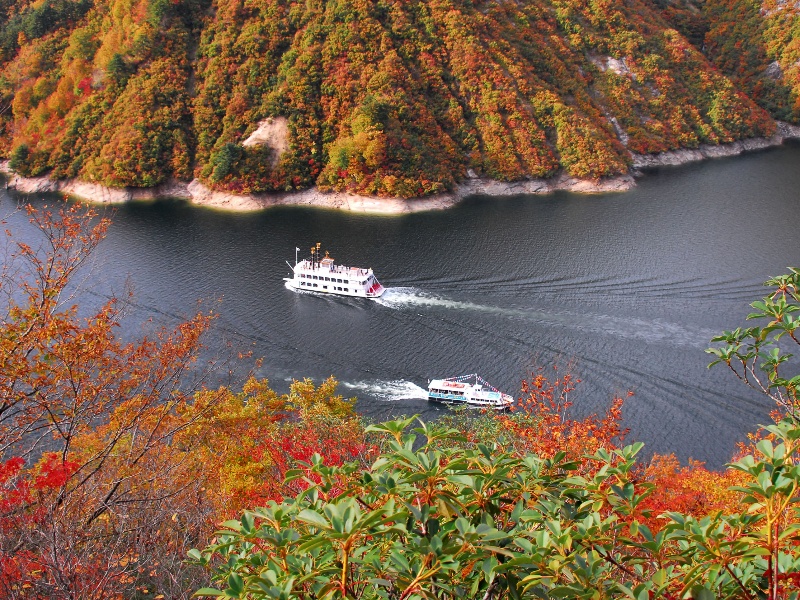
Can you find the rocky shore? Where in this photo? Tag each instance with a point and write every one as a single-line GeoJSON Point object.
{"type": "Point", "coordinates": [197, 193]}
{"type": "Point", "coordinates": [784, 132]}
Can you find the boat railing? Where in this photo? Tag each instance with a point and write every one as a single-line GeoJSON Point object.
{"type": "Point", "coordinates": [339, 269]}
{"type": "Point", "coordinates": [352, 271]}
{"type": "Point", "coordinates": [473, 376]}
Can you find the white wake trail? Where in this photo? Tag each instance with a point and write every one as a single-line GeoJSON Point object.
{"type": "Point", "coordinates": [389, 391]}
{"type": "Point", "coordinates": [403, 297]}
{"type": "Point", "coordinates": [653, 330]}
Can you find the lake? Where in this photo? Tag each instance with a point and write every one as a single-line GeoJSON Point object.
{"type": "Point", "coordinates": [628, 288]}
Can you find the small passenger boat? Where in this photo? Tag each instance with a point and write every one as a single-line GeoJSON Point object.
{"type": "Point", "coordinates": [468, 390]}
{"type": "Point", "coordinates": [320, 274]}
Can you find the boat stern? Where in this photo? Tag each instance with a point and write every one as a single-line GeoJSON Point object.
{"type": "Point", "coordinates": [375, 291]}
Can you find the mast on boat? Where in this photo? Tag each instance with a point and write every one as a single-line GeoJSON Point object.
{"type": "Point", "coordinates": [315, 255]}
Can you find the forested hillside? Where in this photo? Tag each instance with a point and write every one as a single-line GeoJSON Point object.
{"type": "Point", "coordinates": [386, 97]}
{"type": "Point", "coordinates": [755, 42]}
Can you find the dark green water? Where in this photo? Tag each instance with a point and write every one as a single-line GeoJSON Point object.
{"type": "Point", "coordinates": [628, 287]}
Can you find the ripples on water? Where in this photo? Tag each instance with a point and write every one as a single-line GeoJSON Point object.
{"type": "Point", "coordinates": [628, 287]}
{"type": "Point", "coordinates": [649, 330]}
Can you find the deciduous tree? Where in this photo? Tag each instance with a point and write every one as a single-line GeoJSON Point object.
{"type": "Point", "coordinates": [92, 416]}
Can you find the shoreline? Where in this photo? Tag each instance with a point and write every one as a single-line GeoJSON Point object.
{"type": "Point", "coordinates": [682, 156]}
{"type": "Point", "coordinates": [196, 193]}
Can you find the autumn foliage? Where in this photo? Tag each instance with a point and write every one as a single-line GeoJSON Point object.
{"type": "Point", "coordinates": [542, 425]}
{"type": "Point", "coordinates": [114, 456]}
{"type": "Point", "coordinates": [388, 98]}
{"type": "Point", "coordinates": [118, 456]}
{"type": "Point", "coordinates": [757, 44]}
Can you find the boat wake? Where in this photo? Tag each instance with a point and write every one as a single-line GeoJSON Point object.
{"type": "Point", "coordinates": [405, 297]}
{"type": "Point", "coordinates": [655, 330]}
{"type": "Point", "coordinates": [388, 391]}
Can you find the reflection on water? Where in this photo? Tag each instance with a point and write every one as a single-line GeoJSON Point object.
{"type": "Point", "coordinates": [629, 287]}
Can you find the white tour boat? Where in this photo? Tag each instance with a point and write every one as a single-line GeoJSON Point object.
{"type": "Point", "coordinates": [320, 274]}
{"type": "Point", "coordinates": [468, 390]}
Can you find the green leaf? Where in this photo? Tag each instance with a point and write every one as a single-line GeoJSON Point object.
{"type": "Point", "coordinates": [702, 593]}
{"type": "Point", "coordinates": [207, 592]}
{"type": "Point", "coordinates": [313, 518]}
{"type": "Point", "coordinates": [195, 554]}
{"type": "Point", "coordinates": [235, 585]}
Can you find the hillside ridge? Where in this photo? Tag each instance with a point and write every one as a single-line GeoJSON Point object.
{"type": "Point", "coordinates": [381, 99]}
{"type": "Point", "coordinates": [197, 193]}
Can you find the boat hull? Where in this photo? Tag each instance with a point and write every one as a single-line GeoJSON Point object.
{"type": "Point", "coordinates": [468, 390]}
{"type": "Point", "coordinates": [508, 401]}
{"type": "Point", "coordinates": [322, 276]}
{"type": "Point", "coordinates": [331, 290]}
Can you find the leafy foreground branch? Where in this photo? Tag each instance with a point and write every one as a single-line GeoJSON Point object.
{"type": "Point", "coordinates": [759, 356]}
{"type": "Point", "coordinates": [116, 457]}
{"type": "Point", "coordinates": [452, 521]}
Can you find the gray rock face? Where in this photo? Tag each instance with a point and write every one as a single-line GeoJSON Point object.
{"type": "Point", "coordinates": [272, 132]}
{"type": "Point", "coordinates": [774, 71]}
